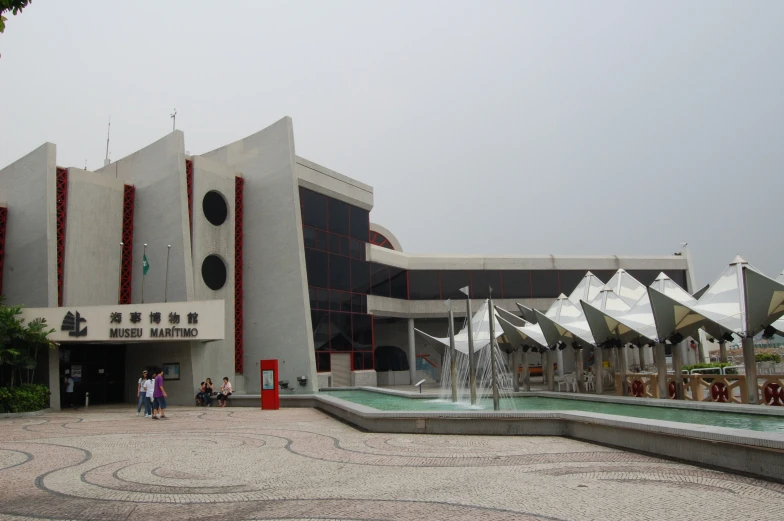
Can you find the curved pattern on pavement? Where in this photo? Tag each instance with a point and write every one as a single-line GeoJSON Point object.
{"type": "Point", "coordinates": [108, 464]}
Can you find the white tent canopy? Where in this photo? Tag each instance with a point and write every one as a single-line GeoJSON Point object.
{"type": "Point", "coordinates": [480, 323]}
{"type": "Point", "coordinates": [742, 300]}
{"type": "Point", "coordinates": [519, 332]}
{"type": "Point", "coordinates": [779, 324]}
{"type": "Point", "coordinates": [565, 322]}
{"type": "Point", "coordinates": [626, 287]}
{"type": "Point", "coordinates": [588, 289]}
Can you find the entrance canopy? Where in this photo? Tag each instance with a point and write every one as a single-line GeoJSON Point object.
{"type": "Point", "coordinates": [199, 321]}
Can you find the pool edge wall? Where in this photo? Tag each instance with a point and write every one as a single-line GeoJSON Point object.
{"type": "Point", "coordinates": [713, 449]}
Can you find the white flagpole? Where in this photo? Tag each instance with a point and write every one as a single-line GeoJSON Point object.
{"type": "Point", "coordinates": [144, 256]}
{"type": "Point", "coordinates": [166, 279]}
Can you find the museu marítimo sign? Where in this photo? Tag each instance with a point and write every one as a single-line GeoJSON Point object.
{"type": "Point", "coordinates": [168, 321]}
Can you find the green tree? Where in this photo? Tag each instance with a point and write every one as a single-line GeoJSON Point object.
{"type": "Point", "coordinates": [14, 6]}
{"type": "Point", "coordinates": [20, 344]}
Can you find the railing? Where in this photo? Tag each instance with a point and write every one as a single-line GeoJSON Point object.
{"type": "Point", "coordinates": [723, 388]}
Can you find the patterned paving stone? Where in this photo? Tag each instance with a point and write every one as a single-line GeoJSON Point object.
{"type": "Point", "coordinates": [299, 464]}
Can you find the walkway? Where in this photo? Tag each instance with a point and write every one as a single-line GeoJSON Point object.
{"type": "Point", "coordinates": [297, 464]}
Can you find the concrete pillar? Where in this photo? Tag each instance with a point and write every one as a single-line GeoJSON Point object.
{"type": "Point", "coordinates": [411, 352]}
{"type": "Point", "coordinates": [647, 355]}
{"type": "Point", "coordinates": [526, 375]}
{"type": "Point", "coordinates": [636, 357]}
{"type": "Point", "coordinates": [578, 364]}
{"type": "Point", "coordinates": [513, 366]}
{"type": "Point", "coordinates": [598, 369]}
{"type": "Point", "coordinates": [623, 366]}
{"type": "Point", "coordinates": [559, 361]}
{"type": "Point", "coordinates": [55, 381]}
{"type": "Point", "coordinates": [677, 351]}
{"type": "Point", "coordinates": [661, 367]}
{"type": "Point", "coordinates": [700, 351]}
{"type": "Point", "coordinates": [750, 363]}
{"type": "Point", "coordinates": [549, 358]}
{"type": "Point", "coordinates": [723, 351]}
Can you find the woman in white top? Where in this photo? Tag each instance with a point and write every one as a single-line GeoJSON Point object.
{"type": "Point", "coordinates": [225, 392]}
{"type": "Point", "coordinates": [141, 395]}
{"type": "Point", "coordinates": [149, 386]}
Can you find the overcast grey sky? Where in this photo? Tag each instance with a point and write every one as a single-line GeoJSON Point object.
{"type": "Point", "coordinates": [484, 127]}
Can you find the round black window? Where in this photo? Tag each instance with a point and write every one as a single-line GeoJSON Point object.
{"type": "Point", "coordinates": [215, 207]}
{"type": "Point", "coordinates": [213, 272]}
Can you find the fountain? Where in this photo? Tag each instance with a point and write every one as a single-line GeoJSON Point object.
{"type": "Point", "coordinates": [478, 336]}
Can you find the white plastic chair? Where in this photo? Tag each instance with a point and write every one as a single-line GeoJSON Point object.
{"type": "Point", "coordinates": [571, 380]}
{"type": "Point", "coordinates": [590, 380]}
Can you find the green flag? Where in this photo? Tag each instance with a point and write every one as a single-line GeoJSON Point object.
{"type": "Point", "coordinates": [145, 265]}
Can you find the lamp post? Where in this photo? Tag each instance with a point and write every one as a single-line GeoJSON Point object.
{"type": "Point", "coordinates": [494, 370]}
{"type": "Point", "coordinates": [471, 360]}
{"type": "Point", "coordinates": [452, 351]}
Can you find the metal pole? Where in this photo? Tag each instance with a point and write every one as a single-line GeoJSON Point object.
{"type": "Point", "coordinates": [144, 256]}
{"type": "Point", "coordinates": [452, 352]}
{"type": "Point", "coordinates": [494, 370]}
{"type": "Point", "coordinates": [166, 278]}
{"type": "Point", "coordinates": [471, 360]}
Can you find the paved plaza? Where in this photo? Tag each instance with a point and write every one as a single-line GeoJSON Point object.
{"type": "Point", "coordinates": [297, 464]}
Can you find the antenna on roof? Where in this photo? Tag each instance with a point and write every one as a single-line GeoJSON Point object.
{"type": "Point", "coordinates": [108, 132]}
{"type": "Point", "coordinates": [174, 119]}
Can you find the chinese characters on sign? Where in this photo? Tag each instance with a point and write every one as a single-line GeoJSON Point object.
{"type": "Point", "coordinates": [71, 324]}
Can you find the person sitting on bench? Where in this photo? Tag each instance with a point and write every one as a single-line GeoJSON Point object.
{"type": "Point", "coordinates": [225, 392]}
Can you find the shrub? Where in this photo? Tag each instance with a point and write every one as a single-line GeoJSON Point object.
{"type": "Point", "coordinates": [768, 357]}
{"type": "Point", "coordinates": [25, 398]}
{"type": "Point", "coordinates": [710, 365]}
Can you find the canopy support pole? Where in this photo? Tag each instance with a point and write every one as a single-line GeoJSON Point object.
{"type": "Point", "coordinates": [578, 364]}
{"type": "Point", "coordinates": [677, 366]}
{"type": "Point", "coordinates": [452, 354]}
{"type": "Point", "coordinates": [526, 374]}
{"type": "Point", "coordinates": [661, 367]}
{"type": "Point", "coordinates": [750, 366]}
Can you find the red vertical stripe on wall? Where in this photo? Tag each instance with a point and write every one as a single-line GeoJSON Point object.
{"type": "Point", "coordinates": [126, 261]}
{"type": "Point", "coordinates": [239, 184]}
{"type": "Point", "coordinates": [189, 191]}
{"type": "Point", "coordinates": [3, 221]}
{"type": "Point", "coordinates": [61, 182]}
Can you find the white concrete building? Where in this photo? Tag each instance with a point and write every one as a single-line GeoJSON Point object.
{"type": "Point", "coordinates": [287, 245]}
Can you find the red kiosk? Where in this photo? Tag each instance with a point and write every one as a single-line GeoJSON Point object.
{"type": "Point", "coordinates": [270, 394]}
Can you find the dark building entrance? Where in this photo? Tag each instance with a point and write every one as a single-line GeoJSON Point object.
{"type": "Point", "coordinates": [98, 369]}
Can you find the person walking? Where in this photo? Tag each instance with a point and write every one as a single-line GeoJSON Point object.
{"type": "Point", "coordinates": [225, 392]}
{"type": "Point", "coordinates": [160, 397]}
{"type": "Point", "coordinates": [68, 399]}
{"type": "Point", "coordinates": [149, 390]}
{"type": "Point", "coordinates": [141, 394]}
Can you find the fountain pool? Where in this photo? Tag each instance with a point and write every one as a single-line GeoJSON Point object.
{"type": "Point", "coordinates": [736, 420]}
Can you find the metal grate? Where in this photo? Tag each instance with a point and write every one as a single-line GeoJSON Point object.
{"type": "Point", "coordinates": [61, 182]}
{"type": "Point", "coordinates": [126, 262]}
{"type": "Point", "coordinates": [239, 184]}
